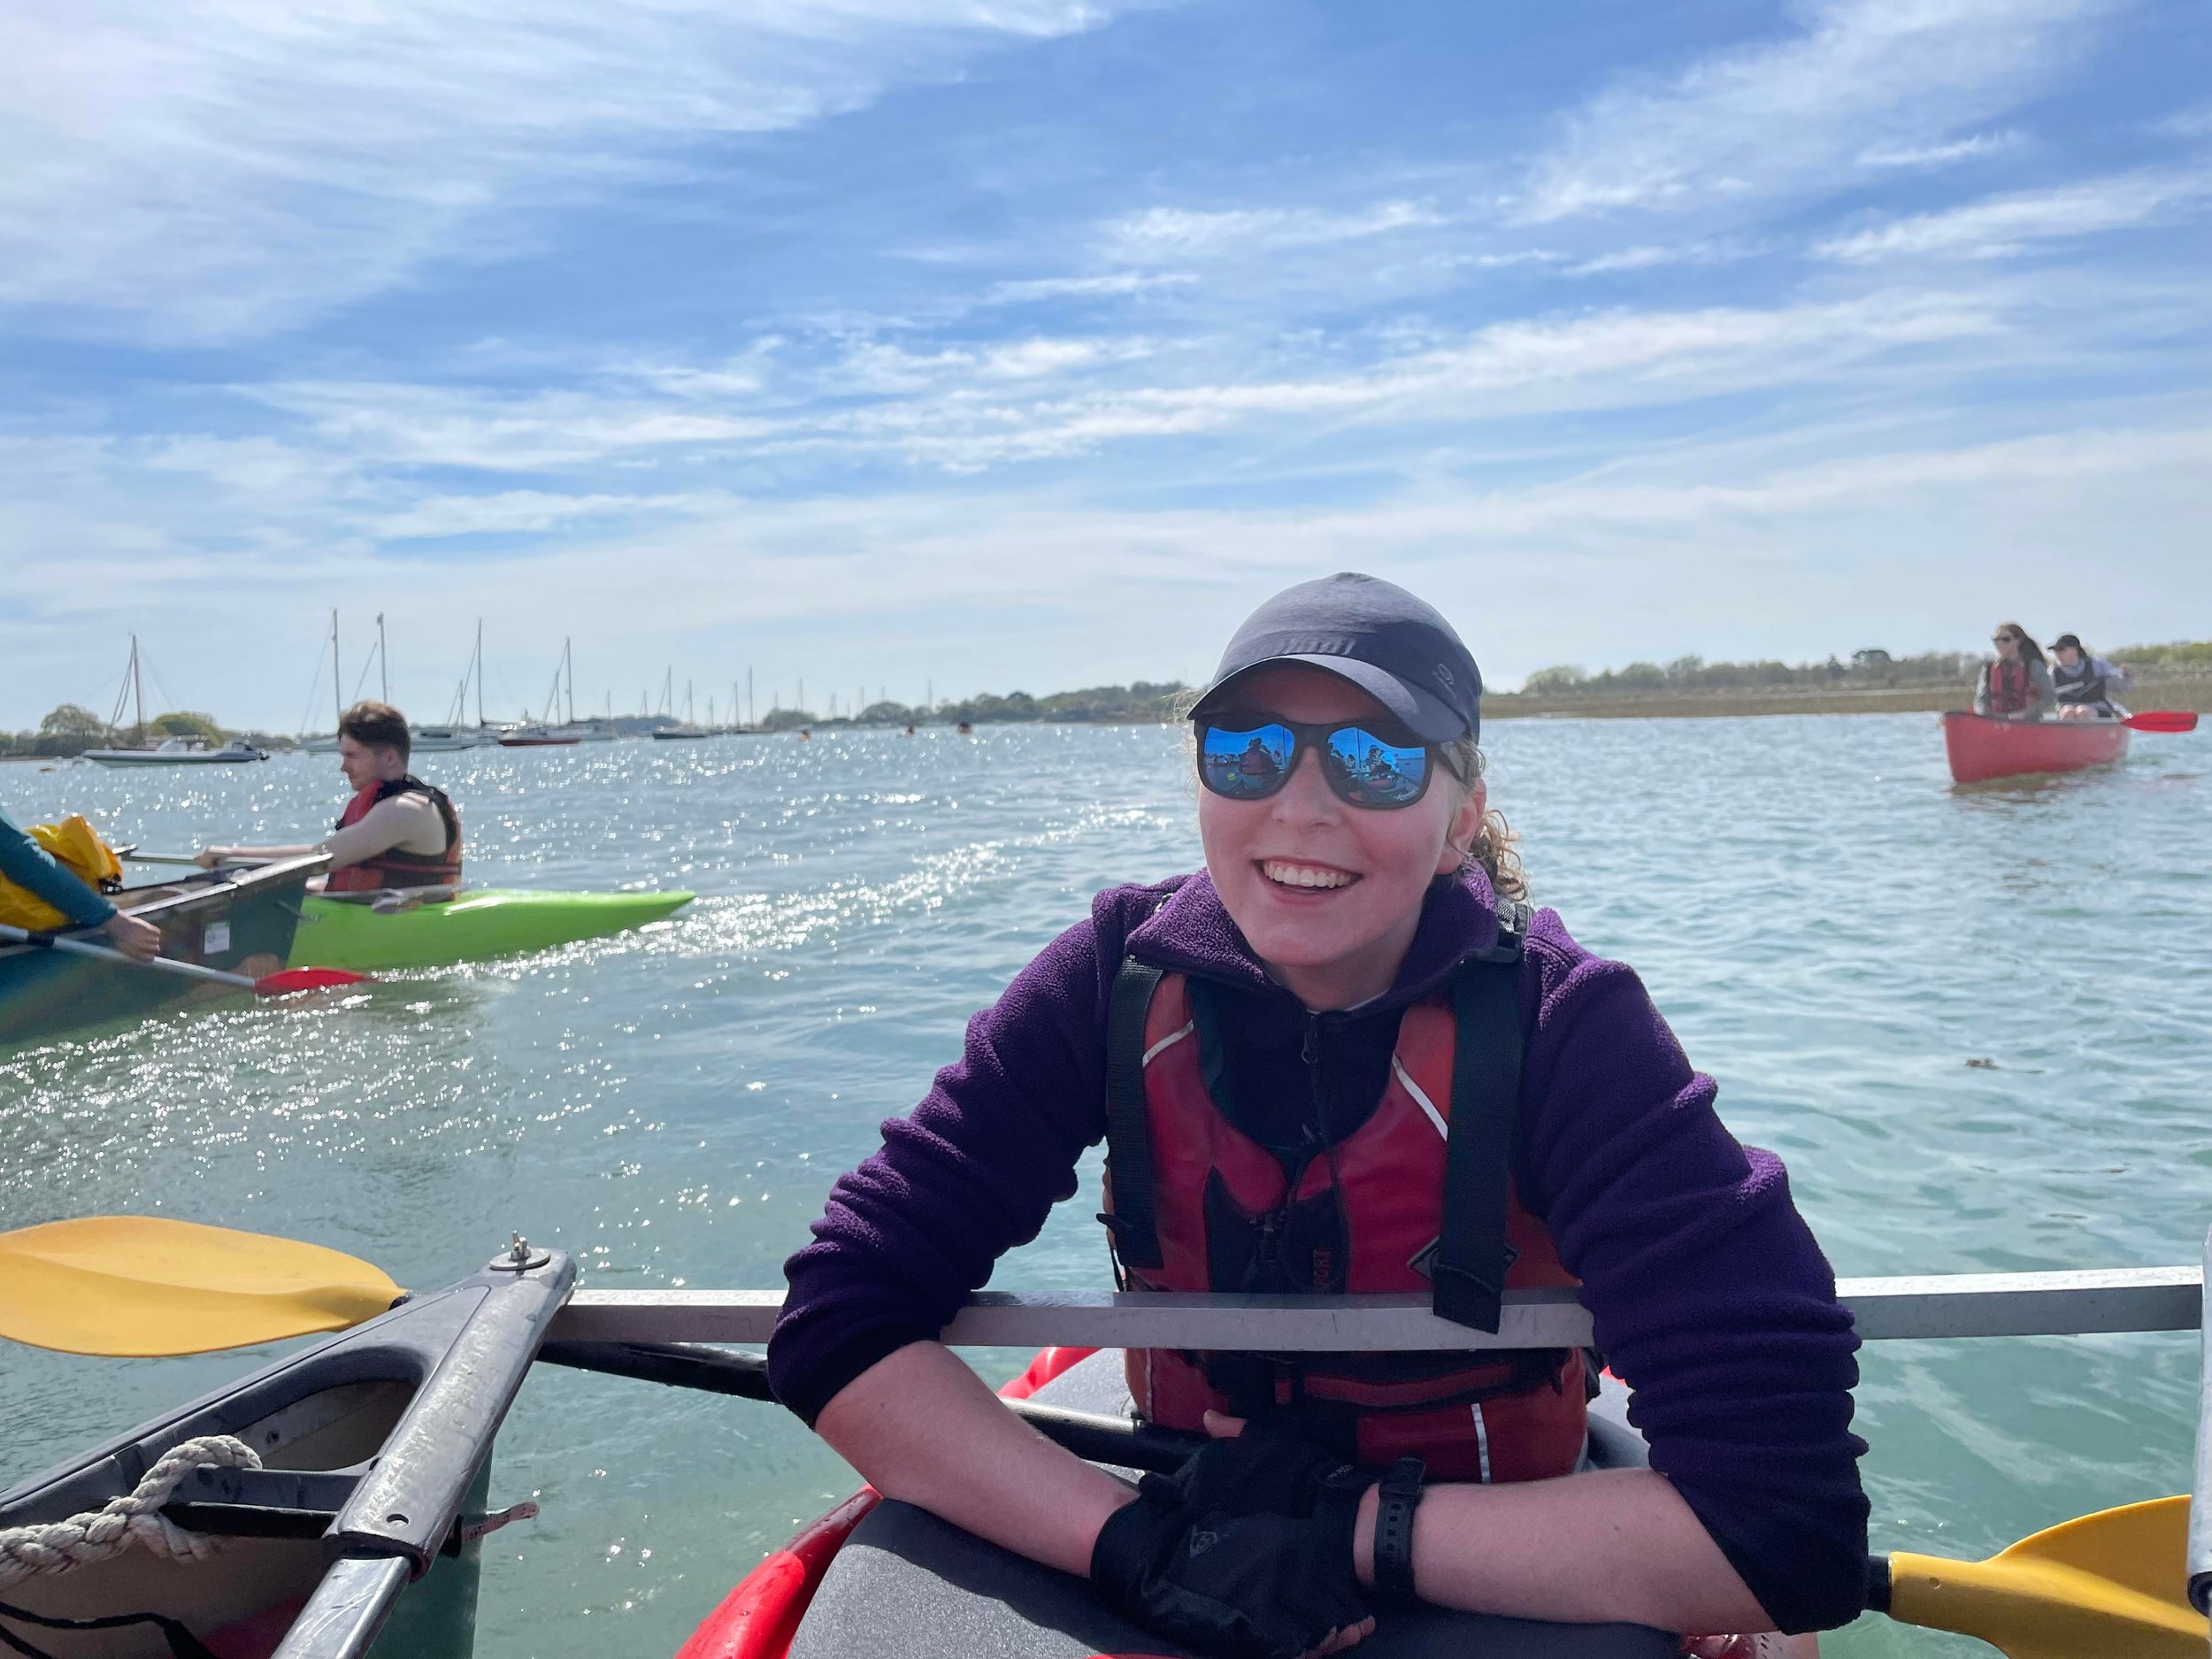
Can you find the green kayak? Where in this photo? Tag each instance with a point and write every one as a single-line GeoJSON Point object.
{"type": "Point", "coordinates": [479, 923]}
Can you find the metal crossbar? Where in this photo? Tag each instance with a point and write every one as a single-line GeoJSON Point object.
{"type": "Point", "coordinates": [1955, 1305]}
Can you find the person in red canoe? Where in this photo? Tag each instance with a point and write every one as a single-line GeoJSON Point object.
{"type": "Point", "coordinates": [2018, 686]}
{"type": "Point", "coordinates": [1346, 1056]}
{"type": "Point", "coordinates": [397, 831]}
{"type": "Point", "coordinates": [2087, 687]}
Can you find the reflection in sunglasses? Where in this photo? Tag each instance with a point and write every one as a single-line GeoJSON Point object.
{"type": "Point", "coordinates": [1360, 768]}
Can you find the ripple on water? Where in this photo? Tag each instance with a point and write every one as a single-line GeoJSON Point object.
{"type": "Point", "coordinates": [1977, 1024]}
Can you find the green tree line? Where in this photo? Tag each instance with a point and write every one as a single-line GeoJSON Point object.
{"type": "Point", "coordinates": [72, 729]}
{"type": "Point", "coordinates": [1867, 670]}
{"type": "Point", "coordinates": [1124, 705]}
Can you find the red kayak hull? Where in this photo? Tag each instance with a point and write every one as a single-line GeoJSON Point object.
{"type": "Point", "coordinates": [1981, 748]}
{"type": "Point", "coordinates": [757, 1619]}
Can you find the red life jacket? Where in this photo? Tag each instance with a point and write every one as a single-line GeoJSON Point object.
{"type": "Point", "coordinates": [394, 868]}
{"type": "Point", "coordinates": [2009, 686]}
{"type": "Point", "coordinates": [1195, 1204]}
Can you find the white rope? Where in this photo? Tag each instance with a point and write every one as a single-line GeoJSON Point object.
{"type": "Point", "coordinates": [56, 1546]}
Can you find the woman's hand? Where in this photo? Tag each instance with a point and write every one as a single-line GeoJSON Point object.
{"type": "Point", "coordinates": [208, 857]}
{"type": "Point", "coordinates": [139, 940]}
{"type": "Point", "coordinates": [1246, 1586]}
{"type": "Point", "coordinates": [1257, 1470]}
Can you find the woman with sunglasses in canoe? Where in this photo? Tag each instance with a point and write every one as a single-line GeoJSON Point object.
{"type": "Point", "coordinates": [1293, 1056]}
{"type": "Point", "coordinates": [2018, 685]}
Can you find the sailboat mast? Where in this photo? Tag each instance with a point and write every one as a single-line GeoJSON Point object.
{"type": "Point", "coordinates": [480, 671]}
{"type": "Point", "coordinates": [752, 703]}
{"type": "Point", "coordinates": [568, 666]}
{"type": "Point", "coordinates": [138, 689]}
{"type": "Point", "coordinates": [383, 665]}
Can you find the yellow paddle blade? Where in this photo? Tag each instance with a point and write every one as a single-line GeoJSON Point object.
{"type": "Point", "coordinates": [145, 1285]}
{"type": "Point", "coordinates": [2108, 1585]}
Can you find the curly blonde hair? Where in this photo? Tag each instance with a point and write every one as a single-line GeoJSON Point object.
{"type": "Point", "coordinates": [1493, 851]}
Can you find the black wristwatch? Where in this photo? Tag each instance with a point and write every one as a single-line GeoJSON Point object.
{"type": "Point", "coordinates": [1400, 1497]}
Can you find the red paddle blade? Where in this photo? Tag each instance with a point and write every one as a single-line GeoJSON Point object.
{"type": "Point", "coordinates": [2162, 720]}
{"type": "Point", "coordinates": [290, 979]}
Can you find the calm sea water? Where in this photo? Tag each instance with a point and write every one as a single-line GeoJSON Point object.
{"type": "Point", "coordinates": [1977, 1024]}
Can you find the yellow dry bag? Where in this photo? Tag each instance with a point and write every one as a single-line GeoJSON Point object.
{"type": "Point", "coordinates": [77, 848]}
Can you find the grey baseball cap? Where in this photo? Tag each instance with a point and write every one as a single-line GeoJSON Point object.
{"type": "Point", "coordinates": [1397, 649]}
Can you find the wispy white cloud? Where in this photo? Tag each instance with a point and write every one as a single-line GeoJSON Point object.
{"type": "Point", "coordinates": [1503, 261]}
{"type": "Point", "coordinates": [216, 168]}
{"type": "Point", "coordinates": [515, 511]}
{"type": "Point", "coordinates": [1107, 285]}
{"type": "Point", "coordinates": [1942, 154]}
{"type": "Point", "coordinates": [403, 425]}
{"type": "Point", "coordinates": [1172, 233]}
{"type": "Point", "coordinates": [1794, 114]}
{"type": "Point", "coordinates": [1648, 256]}
{"type": "Point", "coordinates": [965, 409]}
{"type": "Point", "coordinates": [2006, 225]}
{"type": "Point", "coordinates": [2190, 123]}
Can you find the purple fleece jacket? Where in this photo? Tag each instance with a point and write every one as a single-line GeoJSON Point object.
{"type": "Point", "coordinates": [1708, 1292]}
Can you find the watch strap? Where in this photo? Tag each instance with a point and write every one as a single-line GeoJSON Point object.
{"type": "Point", "coordinates": [1399, 1496]}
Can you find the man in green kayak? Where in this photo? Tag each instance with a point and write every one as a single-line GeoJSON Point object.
{"type": "Point", "coordinates": [26, 864]}
{"type": "Point", "coordinates": [397, 832]}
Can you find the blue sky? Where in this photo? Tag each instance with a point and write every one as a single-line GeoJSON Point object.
{"type": "Point", "coordinates": [1027, 344]}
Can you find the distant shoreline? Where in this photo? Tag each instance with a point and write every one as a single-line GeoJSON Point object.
{"type": "Point", "coordinates": [2191, 692]}
{"type": "Point", "coordinates": [2180, 691]}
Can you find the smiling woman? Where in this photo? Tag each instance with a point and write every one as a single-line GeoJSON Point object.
{"type": "Point", "coordinates": [1339, 1059]}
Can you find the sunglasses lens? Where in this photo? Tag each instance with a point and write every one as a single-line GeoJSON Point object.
{"type": "Point", "coordinates": [1370, 773]}
{"type": "Point", "coordinates": [1247, 764]}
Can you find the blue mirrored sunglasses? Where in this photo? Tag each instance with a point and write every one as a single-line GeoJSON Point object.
{"type": "Point", "coordinates": [1251, 760]}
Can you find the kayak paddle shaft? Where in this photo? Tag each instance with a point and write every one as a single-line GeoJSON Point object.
{"type": "Point", "coordinates": [1088, 1434]}
{"type": "Point", "coordinates": [281, 983]}
{"type": "Point", "coordinates": [85, 948]}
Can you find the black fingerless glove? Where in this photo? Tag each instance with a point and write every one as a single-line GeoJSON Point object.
{"type": "Point", "coordinates": [1251, 1586]}
{"type": "Point", "coordinates": [1262, 1470]}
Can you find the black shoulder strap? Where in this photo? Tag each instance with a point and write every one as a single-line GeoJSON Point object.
{"type": "Point", "coordinates": [1469, 1268]}
{"type": "Point", "coordinates": [439, 800]}
{"type": "Point", "coordinates": [1128, 1138]}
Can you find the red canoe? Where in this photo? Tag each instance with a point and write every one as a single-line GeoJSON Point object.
{"type": "Point", "coordinates": [914, 1586]}
{"type": "Point", "coordinates": [1981, 748]}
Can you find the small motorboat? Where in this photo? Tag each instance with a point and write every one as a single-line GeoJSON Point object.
{"type": "Point", "coordinates": [340, 1490]}
{"type": "Point", "coordinates": [434, 927]}
{"type": "Point", "coordinates": [539, 737]}
{"type": "Point", "coordinates": [444, 740]}
{"type": "Point", "coordinates": [1980, 748]}
{"type": "Point", "coordinates": [180, 751]}
{"type": "Point", "coordinates": [241, 921]}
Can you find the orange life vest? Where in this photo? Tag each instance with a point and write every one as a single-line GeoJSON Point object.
{"type": "Point", "coordinates": [392, 868]}
{"type": "Point", "coordinates": [1195, 1204]}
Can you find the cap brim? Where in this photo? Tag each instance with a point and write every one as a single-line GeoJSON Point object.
{"type": "Point", "coordinates": [1427, 718]}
